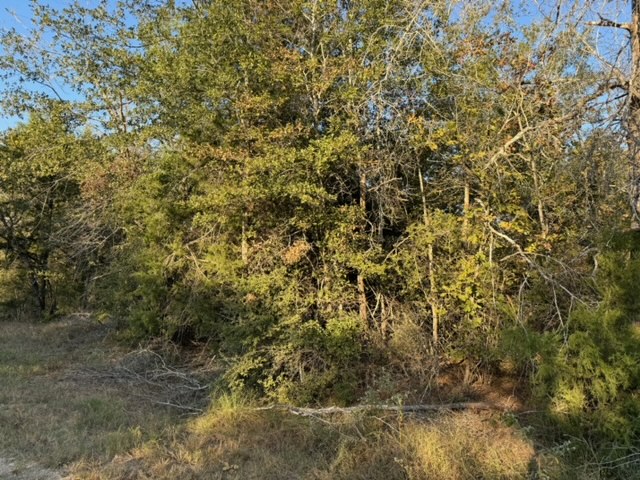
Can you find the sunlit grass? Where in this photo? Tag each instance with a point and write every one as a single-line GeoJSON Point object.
{"type": "Point", "coordinates": [466, 445]}
{"type": "Point", "coordinates": [51, 415]}
{"type": "Point", "coordinates": [234, 440]}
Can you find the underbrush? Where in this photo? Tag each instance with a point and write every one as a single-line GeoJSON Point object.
{"type": "Point", "coordinates": [235, 439]}
{"type": "Point", "coordinates": [66, 403]}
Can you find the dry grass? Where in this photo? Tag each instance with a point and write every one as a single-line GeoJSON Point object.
{"type": "Point", "coordinates": [466, 445]}
{"type": "Point", "coordinates": [233, 441]}
{"type": "Point", "coordinates": [50, 415]}
{"type": "Point", "coordinates": [92, 427]}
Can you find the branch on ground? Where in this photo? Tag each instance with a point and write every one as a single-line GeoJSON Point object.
{"type": "Point", "coordinates": [422, 408]}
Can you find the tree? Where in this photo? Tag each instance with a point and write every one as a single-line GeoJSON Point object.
{"type": "Point", "coordinates": [624, 75]}
{"type": "Point", "coordinates": [37, 190]}
{"type": "Point", "coordinates": [309, 184]}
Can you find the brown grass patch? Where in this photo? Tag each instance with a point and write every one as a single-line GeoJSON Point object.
{"type": "Point", "coordinates": [51, 415]}
{"type": "Point", "coordinates": [98, 428]}
{"type": "Point", "coordinates": [466, 445]}
{"type": "Point", "coordinates": [234, 441]}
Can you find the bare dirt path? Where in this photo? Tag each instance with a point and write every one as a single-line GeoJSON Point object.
{"type": "Point", "coordinates": [10, 470]}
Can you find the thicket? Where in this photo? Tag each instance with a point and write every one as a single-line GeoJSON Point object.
{"type": "Point", "coordinates": [334, 195]}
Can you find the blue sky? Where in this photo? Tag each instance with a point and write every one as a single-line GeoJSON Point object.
{"type": "Point", "coordinates": [17, 14]}
{"type": "Point", "coordinates": [14, 14]}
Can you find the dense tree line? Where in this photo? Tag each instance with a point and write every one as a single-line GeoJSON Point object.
{"type": "Point", "coordinates": [332, 193]}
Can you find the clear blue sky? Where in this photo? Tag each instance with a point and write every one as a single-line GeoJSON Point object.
{"type": "Point", "coordinates": [13, 14]}
{"type": "Point", "coordinates": [17, 14]}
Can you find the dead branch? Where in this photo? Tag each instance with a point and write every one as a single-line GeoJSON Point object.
{"type": "Point", "coordinates": [605, 22]}
{"type": "Point", "coordinates": [527, 257]}
{"type": "Point", "coordinates": [147, 375]}
{"type": "Point", "coordinates": [310, 412]}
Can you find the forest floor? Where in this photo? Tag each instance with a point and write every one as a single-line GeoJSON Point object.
{"type": "Point", "coordinates": [74, 403]}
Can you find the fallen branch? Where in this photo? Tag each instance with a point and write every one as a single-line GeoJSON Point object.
{"type": "Point", "coordinates": [148, 376]}
{"type": "Point", "coordinates": [308, 412]}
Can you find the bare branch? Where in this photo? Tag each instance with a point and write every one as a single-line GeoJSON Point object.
{"type": "Point", "coordinates": [309, 412]}
{"type": "Point", "coordinates": [605, 22]}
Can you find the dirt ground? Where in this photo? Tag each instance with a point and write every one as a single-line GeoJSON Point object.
{"type": "Point", "coordinates": [11, 470]}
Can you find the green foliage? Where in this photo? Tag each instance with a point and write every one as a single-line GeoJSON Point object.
{"type": "Point", "coordinates": [39, 189]}
{"type": "Point", "coordinates": [325, 190]}
{"type": "Point", "coordinates": [589, 374]}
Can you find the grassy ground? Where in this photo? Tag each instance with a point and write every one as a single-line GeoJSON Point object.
{"type": "Point", "coordinates": [52, 411]}
{"type": "Point", "coordinates": [74, 401]}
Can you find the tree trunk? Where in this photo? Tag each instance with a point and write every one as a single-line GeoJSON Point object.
{"type": "Point", "coordinates": [41, 284]}
{"type": "Point", "coordinates": [244, 246]}
{"type": "Point", "coordinates": [362, 289]}
{"type": "Point", "coordinates": [465, 212]}
{"type": "Point", "coordinates": [40, 291]}
{"type": "Point", "coordinates": [633, 119]}
{"type": "Point", "coordinates": [537, 187]}
{"type": "Point", "coordinates": [435, 322]}
{"type": "Point", "coordinates": [43, 293]}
